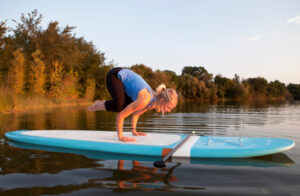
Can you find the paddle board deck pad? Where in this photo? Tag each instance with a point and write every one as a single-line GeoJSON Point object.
{"type": "Point", "coordinates": [154, 144]}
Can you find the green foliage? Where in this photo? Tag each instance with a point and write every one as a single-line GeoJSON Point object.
{"type": "Point", "coordinates": [101, 90]}
{"type": "Point", "coordinates": [172, 77]}
{"type": "Point", "coordinates": [257, 85]}
{"type": "Point", "coordinates": [223, 84]}
{"type": "Point", "coordinates": [276, 89]}
{"type": "Point", "coordinates": [198, 72]}
{"type": "Point", "coordinates": [193, 88]}
{"type": "Point", "coordinates": [294, 89]}
{"type": "Point", "coordinates": [169, 78]}
{"type": "Point", "coordinates": [230, 88]}
{"type": "Point", "coordinates": [196, 83]}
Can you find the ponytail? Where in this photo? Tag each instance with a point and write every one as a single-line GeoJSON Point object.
{"type": "Point", "coordinates": [161, 88]}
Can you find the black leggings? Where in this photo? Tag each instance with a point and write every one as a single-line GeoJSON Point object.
{"type": "Point", "coordinates": [116, 89]}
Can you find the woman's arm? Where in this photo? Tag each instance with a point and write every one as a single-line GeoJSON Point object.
{"type": "Point", "coordinates": [143, 99]}
{"type": "Point", "coordinates": [135, 118]}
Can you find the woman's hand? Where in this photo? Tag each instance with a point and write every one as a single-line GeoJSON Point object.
{"type": "Point", "coordinates": [126, 139]}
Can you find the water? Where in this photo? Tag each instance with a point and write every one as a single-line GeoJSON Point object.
{"type": "Point", "coordinates": [41, 171]}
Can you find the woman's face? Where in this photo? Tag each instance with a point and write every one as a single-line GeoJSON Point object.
{"type": "Point", "coordinates": [167, 107]}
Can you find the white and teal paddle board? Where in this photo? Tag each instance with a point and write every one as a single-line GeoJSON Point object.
{"type": "Point", "coordinates": [154, 144]}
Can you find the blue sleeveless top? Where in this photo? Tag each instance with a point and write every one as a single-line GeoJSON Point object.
{"type": "Point", "coordinates": [133, 84]}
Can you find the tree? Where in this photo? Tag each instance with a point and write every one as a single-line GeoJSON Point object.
{"type": "Point", "coordinates": [173, 77]}
{"type": "Point", "coordinates": [200, 72]}
{"type": "Point", "coordinates": [3, 59]}
{"type": "Point", "coordinates": [16, 73]}
{"type": "Point", "coordinates": [37, 77]}
{"type": "Point", "coordinates": [90, 65]}
{"type": "Point", "coordinates": [90, 89]}
{"type": "Point", "coordinates": [26, 33]}
{"type": "Point", "coordinates": [258, 85]}
{"type": "Point", "coordinates": [223, 84]}
{"type": "Point", "coordinates": [68, 86]}
{"type": "Point", "coordinates": [194, 71]}
{"type": "Point", "coordinates": [193, 88]}
{"type": "Point", "coordinates": [55, 80]}
{"type": "Point", "coordinates": [294, 89]}
{"type": "Point", "coordinates": [101, 90]}
{"type": "Point", "coordinates": [230, 88]}
{"type": "Point", "coordinates": [276, 89]}
{"type": "Point", "coordinates": [237, 78]}
{"type": "Point", "coordinates": [29, 26]}
{"type": "Point", "coordinates": [3, 30]}
{"type": "Point", "coordinates": [160, 77]}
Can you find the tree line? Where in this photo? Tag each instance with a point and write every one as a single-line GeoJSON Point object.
{"type": "Point", "coordinates": [196, 83]}
{"type": "Point", "coordinates": [55, 63]}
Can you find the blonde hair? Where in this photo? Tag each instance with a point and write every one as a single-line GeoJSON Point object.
{"type": "Point", "coordinates": [169, 95]}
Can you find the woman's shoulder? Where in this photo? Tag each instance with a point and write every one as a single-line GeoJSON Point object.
{"type": "Point", "coordinates": [148, 97]}
{"type": "Point", "coordinates": [144, 94]}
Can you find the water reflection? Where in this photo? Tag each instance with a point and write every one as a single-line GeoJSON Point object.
{"type": "Point", "coordinates": [17, 160]}
{"type": "Point", "coordinates": [120, 179]}
{"type": "Point", "coordinates": [138, 177]}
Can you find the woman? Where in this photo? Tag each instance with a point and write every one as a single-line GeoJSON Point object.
{"type": "Point", "coordinates": [132, 95]}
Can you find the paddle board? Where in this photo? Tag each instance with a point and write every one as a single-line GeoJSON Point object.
{"type": "Point", "coordinates": [274, 160]}
{"type": "Point", "coordinates": [154, 144]}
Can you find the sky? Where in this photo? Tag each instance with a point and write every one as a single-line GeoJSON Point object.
{"type": "Point", "coordinates": [251, 38]}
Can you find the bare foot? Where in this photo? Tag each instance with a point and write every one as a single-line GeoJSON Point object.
{"type": "Point", "coordinates": [127, 139]}
{"type": "Point", "coordinates": [97, 105]}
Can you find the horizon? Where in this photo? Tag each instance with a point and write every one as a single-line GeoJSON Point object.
{"type": "Point", "coordinates": [247, 38]}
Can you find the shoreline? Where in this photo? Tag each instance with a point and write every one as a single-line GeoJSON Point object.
{"type": "Point", "coordinates": [35, 104]}
{"type": "Point", "coordinates": [44, 104]}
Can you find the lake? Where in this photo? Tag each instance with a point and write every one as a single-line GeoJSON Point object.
{"type": "Point", "coordinates": [29, 170]}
